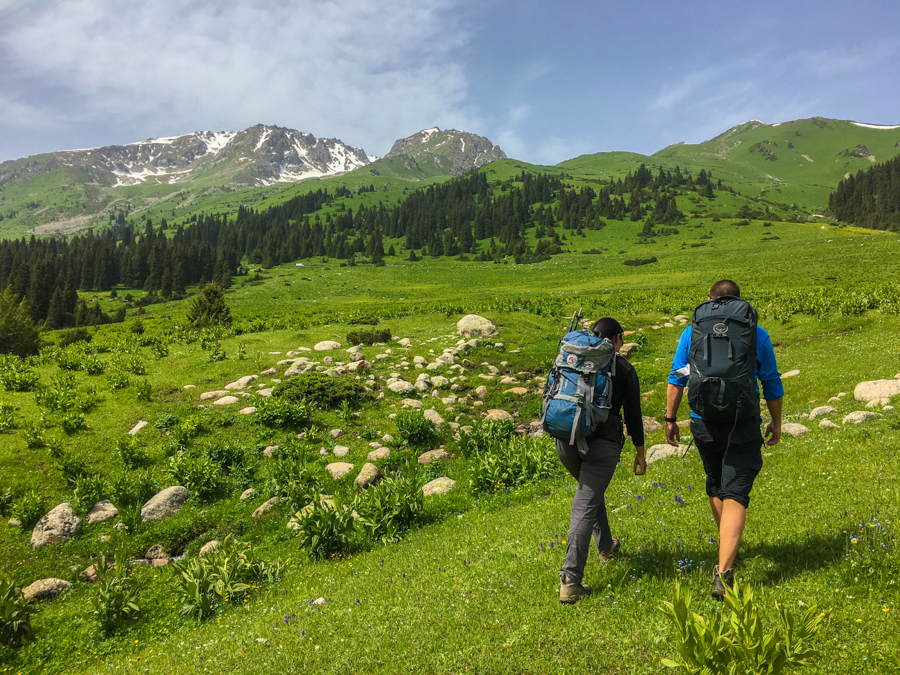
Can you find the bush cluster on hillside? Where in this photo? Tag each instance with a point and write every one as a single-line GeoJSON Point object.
{"type": "Point", "coordinates": [368, 336]}
{"type": "Point", "coordinates": [319, 388]}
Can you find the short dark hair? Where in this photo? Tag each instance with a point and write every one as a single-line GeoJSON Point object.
{"type": "Point", "coordinates": [607, 327]}
{"type": "Point", "coordinates": [724, 287]}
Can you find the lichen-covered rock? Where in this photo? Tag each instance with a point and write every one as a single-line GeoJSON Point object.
{"type": "Point", "coordinates": [821, 411]}
{"type": "Point", "coordinates": [101, 511]}
{"type": "Point", "coordinates": [439, 486]}
{"type": "Point", "coordinates": [59, 525]}
{"type": "Point", "coordinates": [226, 400]}
{"type": "Point", "coordinates": [379, 453]}
{"type": "Point", "coordinates": [359, 366]}
{"type": "Point", "coordinates": [164, 504]}
{"type": "Point", "coordinates": [339, 469]}
{"type": "Point", "coordinates": [473, 325]}
{"type": "Point", "coordinates": [265, 506]}
{"type": "Point", "coordinates": [156, 552]}
{"type": "Point", "coordinates": [794, 429]}
{"type": "Point", "coordinates": [45, 589]}
{"type": "Point", "coordinates": [249, 492]}
{"type": "Point", "coordinates": [663, 450]}
{"type": "Point", "coordinates": [327, 345]}
{"type": "Point", "coordinates": [433, 416]}
{"type": "Point", "coordinates": [137, 427]}
{"type": "Point", "coordinates": [651, 425]}
{"type": "Point", "coordinates": [368, 475]}
{"type": "Point", "coordinates": [860, 416]}
{"type": "Point", "coordinates": [628, 349]}
{"type": "Point", "coordinates": [828, 424]}
{"type": "Point", "coordinates": [241, 383]}
{"type": "Point", "coordinates": [208, 547]}
{"type": "Point", "coordinates": [298, 367]}
{"type": "Point", "coordinates": [341, 451]}
{"type": "Point", "coordinates": [497, 414]}
{"type": "Point", "coordinates": [401, 387]}
{"type": "Point", "coordinates": [412, 403]}
{"type": "Point", "coordinates": [432, 456]}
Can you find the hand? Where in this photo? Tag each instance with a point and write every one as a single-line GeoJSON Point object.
{"type": "Point", "coordinates": [640, 463]}
{"type": "Point", "coordinates": [773, 430]}
{"type": "Point", "coordinates": [673, 433]}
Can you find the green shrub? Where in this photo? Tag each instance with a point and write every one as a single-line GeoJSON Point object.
{"type": "Point", "coordinates": [637, 262]}
{"type": "Point", "coordinates": [321, 389]}
{"type": "Point", "coordinates": [69, 359]}
{"type": "Point", "coordinates": [87, 490]}
{"type": "Point", "coordinates": [93, 364]}
{"type": "Point", "coordinates": [73, 422]}
{"type": "Point", "coordinates": [522, 460]}
{"type": "Point", "coordinates": [294, 481]}
{"type": "Point", "coordinates": [6, 500]}
{"type": "Point", "coordinates": [59, 395]}
{"type": "Point", "coordinates": [159, 349]}
{"type": "Point", "coordinates": [736, 644]}
{"type": "Point", "coordinates": [118, 379]}
{"type": "Point", "coordinates": [19, 377]}
{"type": "Point", "coordinates": [485, 435]}
{"type": "Point", "coordinates": [166, 421]}
{"type": "Point", "coordinates": [391, 506]}
{"type": "Point", "coordinates": [131, 455]}
{"type": "Point", "coordinates": [143, 390]}
{"type": "Point", "coordinates": [195, 471]}
{"type": "Point", "coordinates": [73, 335]}
{"type": "Point", "coordinates": [7, 417]}
{"type": "Point", "coordinates": [282, 412]}
{"type": "Point", "coordinates": [326, 529]}
{"type": "Point", "coordinates": [33, 433]}
{"type": "Point", "coordinates": [364, 321]}
{"type": "Point", "coordinates": [118, 593]}
{"type": "Point", "coordinates": [15, 616]}
{"type": "Point", "coordinates": [129, 487]}
{"type": "Point", "coordinates": [414, 430]}
{"type": "Point", "coordinates": [132, 364]}
{"type": "Point", "coordinates": [209, 308]}
{"type": "Point", "coordinates": [29, 509]}
{"type": "Point", "coordinates": [368, 336]}
{"type": "Point", "coordinates": [18, 334]}
{"type": "Point", "coordinates": [73, 466]}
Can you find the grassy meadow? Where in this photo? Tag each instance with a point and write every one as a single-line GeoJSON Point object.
{"type": "Point", "coordinates": [472, 585]}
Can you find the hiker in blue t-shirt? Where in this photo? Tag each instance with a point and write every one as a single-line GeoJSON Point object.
{"type": "Point", "coordinates": [731, 452]}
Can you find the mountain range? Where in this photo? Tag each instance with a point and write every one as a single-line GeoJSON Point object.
{"type": "Point", "coordinates": [793, 166]}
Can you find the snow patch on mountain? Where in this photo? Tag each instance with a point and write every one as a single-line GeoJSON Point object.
{"type": "Point", "coordinates": [876, 126]}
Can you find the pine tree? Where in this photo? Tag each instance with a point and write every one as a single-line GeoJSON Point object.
{"type": "Point", "coordinates": [18, 334]}
{"type": "Point", "coordinates": [209, 308]}
{"type": "Point", "coordinates": [56, 313]}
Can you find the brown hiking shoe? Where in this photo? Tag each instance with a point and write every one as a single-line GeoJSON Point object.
{"type": "Point", "coordinates": [570, 592]}
{"type": "Point", "coordinates": [720, 579]}
{"type": "Point", "coordinates": [611, 553]}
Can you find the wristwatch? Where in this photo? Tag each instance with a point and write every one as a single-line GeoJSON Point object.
{"type": "Point", "coordinates": [673, 420]}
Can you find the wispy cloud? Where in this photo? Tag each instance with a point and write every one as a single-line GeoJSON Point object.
{"type": "Point", "coordinates": [367, 72]}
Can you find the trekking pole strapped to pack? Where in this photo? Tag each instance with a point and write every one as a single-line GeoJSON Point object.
{"type": "Point", "coordinates": [578, 394]}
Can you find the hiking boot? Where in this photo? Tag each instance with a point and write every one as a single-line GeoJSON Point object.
{"type": "Point", "coordinates": [719, 582]}
{"type": "Point", "coordinates": [571, 592]}
{"type": "Point", "coordinates": [611, 553]}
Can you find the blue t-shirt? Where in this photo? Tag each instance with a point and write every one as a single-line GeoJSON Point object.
{"type": "Point", "coordinates": [766, 368]}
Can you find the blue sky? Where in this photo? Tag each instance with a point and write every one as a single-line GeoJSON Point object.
{"type": "Point", "coordinates": [546, 81]}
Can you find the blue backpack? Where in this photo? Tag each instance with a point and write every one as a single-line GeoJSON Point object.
{"type": "Point", "coordinates": [578, 395]}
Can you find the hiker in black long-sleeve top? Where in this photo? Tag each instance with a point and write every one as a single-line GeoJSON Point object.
{"type": "Point", "coordinates": [595, 470]}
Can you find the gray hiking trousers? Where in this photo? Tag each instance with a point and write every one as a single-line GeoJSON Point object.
{"type": "Point", "coordinates": [593, 473]}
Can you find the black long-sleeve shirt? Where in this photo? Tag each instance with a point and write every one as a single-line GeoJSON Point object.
{"type": "Point", "coordinates": [626, 392]}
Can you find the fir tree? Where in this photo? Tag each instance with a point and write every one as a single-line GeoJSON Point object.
{"type": "Point", "coordinates": [209, 308]}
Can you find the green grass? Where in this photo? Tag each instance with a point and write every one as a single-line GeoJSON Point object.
{"type": "Point", "coordinates": [481, 577]}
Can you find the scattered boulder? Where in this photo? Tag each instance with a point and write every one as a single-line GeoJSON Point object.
{"type": "Point", "coordinates": [341, 451]}
{"type": "Point", "coordinates": [497, 414]}
{"type": "Point", "coordinates": [241, 383]}
{"type": "Point", "coordinates": [439, 486]}
{"type": "Point", "coordinates": [876, 389]}
{"type": "Point", "coordinates": [480, 391]}
{"type": "Point", "coordinates": [89, 574]}
{"type": "Point", "coordinates": [433, 416]}
{"type": "Point", "coordinates": [439, 382]}
{"type": "Point", "coordinates": [164, 504]}
{"type": "Point", "coordinates": [209, 546]}
{"type": "Point", "coordinates": [156, 552]}
{"type": "Point", "coordinates": [518, 391]}
{"type": "Point", "coordinates": [405, 342]}
{"type": "Point", "coordinates": [14, 522]}
{"type": "Point", "coordinates": [137, 427]}
{"type": "Point", "coordinates": [45, 589]}
{"type": "Point", "coordinates": [790, 373]}
{"type": "Point", "coordinates": [268, 372]}
{"type": "Point", "coordinates": [249, 410]}
{"type": "Point", "coordinates": [226, 400]}
{"type": "Point", "coordinates": [359, 366]}
{"type": "Point", "coordinates": [206, 395]}
{"type": "Point", "coordinates": [412, 403]}
{"type": "Point", "coordinates": [433, 455]}
{"type": "Point", "coordinates": [651, 425]}
{"type": "Point", "coordinates": [387, 438]}
{"type": "Point", "coordinates": [473, 325]}
{"type": "Point", "coordinates": [339, 469]}
{"type": "Point", "coordinates": [663, 450]}
{"type": "Point", "coordinates": [249, 492]}
{"type": "Point", "coordinates": [265, 506]}
{"type": "Point", "coordinates": [860, 416]}
{"type": "Point", "coordinates": [269, 450]}
{"type": "Point", "coordinates": [265, 393]}
{"type": "Point", "coordinates": [627, 349]}
{"type": "Point", "coordinates": [379, 453]}
{"type": "Point", "coordinates": [326, 345]}
{"type": "Point", "coordinates": [401, 387]}
{"type": "Point", "coordinates": [828, 424]}
{"type": "Point", "coordinates": [794, 429]}
{"type": "Point", "coordinates": [101, 511]}
{"type": "Point", "coordinates": [822, 410]}
{"type": "Point", "coordinates": [59, 525]}
{"type": "Point", "coordinates": [368, 475]}
{"type": "Point", "coordinates": [298, 367]}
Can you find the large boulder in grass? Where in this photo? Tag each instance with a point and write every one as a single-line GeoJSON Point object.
{"type": "Point", "coordinates": [61, 524]}
{"type": "Point", "coordinates": [438, 486]}
{"type": "Point", "coordinates": [368, 475]}
{"type": "Point", "coordinates": [860, 416]}
{"type": "Point", "coordinates": [628, 349]}
{"type": "Point", "coordinates": [298, 367]}
{"type": "Point", "coordinates": [327, 345]}
{"type": "Point", "coordinates": [164, 504]}
{"type": "Point", "coordinates": [102, 511]}
{"type": "Point", "coordinates": [876, 390]}
{"type": "Point", "coordinates": [45, 589]}
{"type": "Point", "coordinates": [473, 325]}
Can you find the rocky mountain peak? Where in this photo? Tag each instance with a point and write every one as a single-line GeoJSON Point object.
{"type": "Point", "coordinates": [454, 151]}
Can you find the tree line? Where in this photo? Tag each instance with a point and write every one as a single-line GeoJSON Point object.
{"type": "Point", "coordinates": [464, 216]}
{"type": "Point", "coordinates": [870, 199]}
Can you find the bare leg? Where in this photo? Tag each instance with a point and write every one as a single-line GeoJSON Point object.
{"type": "Point", "coordinates": [716, 505]}
{"type": "Point", "coordinates": [731, 527]}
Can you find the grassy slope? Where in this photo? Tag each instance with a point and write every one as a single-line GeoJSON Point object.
{"type": "Point", "coordinates": [479, 591]}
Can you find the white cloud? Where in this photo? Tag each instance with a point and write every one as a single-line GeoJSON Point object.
{"type": "Point", "coordinates": [365, 72]}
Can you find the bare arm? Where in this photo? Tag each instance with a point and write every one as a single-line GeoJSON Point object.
{"type": "Point", "coordinates": [673, 402]}
{"type": "Point", "coordinates": [773, 428]}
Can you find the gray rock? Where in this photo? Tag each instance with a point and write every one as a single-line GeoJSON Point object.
{"type": "Point", "coordinates": [137, 427]}
{"type": "Point", "coordinates": [497, 414]}
{"type": "Point", "coordinates": [794, 429]}
{"type": "Point", "coordinates": [326, 345]}
{"type": "Point", "coordinates": [412, 403]}
{"type": "Point", "coordinates": [164, 504]}
{"type": "Point", "coordinates": [265, 393]}
{"type": "Point", "coordinates": [663, 450]}
{"type": "Point", "coordinates": [439, 486]}
{"type": "Point", "coordinates": [101, 511]}
{"type": "Point", "coordinates": [432, 456]}
{"type": "Point", "coordinates": [401, 387]}
{"type": "Point", "coordinates": [876, 390]}
{"type": "Point", "coordinates": [156, 552]}
{"type": "Point", "coordinates": [336, 433]}
{"type": "Point", "coordinates": [379, 453]}
{"type": "Point", "coordinates": [241, 383]}
{"type": "Point", "coordinates": [209, 546]}
{"type": "Point", "coordinates": [302, 366]}
{"type": "Point", "coordinates": [14, 522]}
{"type": "Point", "coordinates": [433, 416]}
{"type": "Point", "coordinates": [473, 325]}
{"type": "Point", "coordinates": [368, 475]}
{"type": "Point", "coordinates": [207, 395]}
{"type": "Point", "coordinates": [339, 469]}
{"type": "Point", "coordinates": [249, 410]}
{"type": "Point", "coordinates": [269, 371]}
{"type": "Point", "coordinates": [269, 450]}
{"type": "Point", "coordinates": [265, 506]}
{"type": "Point", "coordinates": [790, 373]}
{"type": "Point", "coordinates": [249, 492]}
{"type": "Point", "coordinates": [821, 411]}
{"type": "Point", "coordinates": [627, 349]}
{"type": "Point", "coordinates": [480, 391]}
{"type": "Point", "coordinates": [387, 438]}
{"type": "Point", "coordinates": [860, 416]}
{"type": "Point", "coordinates": [651, 425]}
{"type": "Point", "coordinates": [59, 525]}
{"type": "Point", "coordinates": [359, 366]}
{"type": "Point", "coordinates": [45, 589]}
{"type": "Point", "coordinates": [828, 424]}
{"type": "Point", "coordinates": [226, 400]}
{"type": "Point", "coordinates": [341, 451]}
